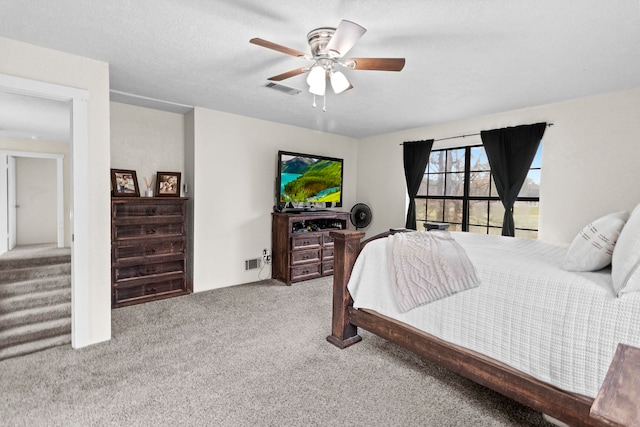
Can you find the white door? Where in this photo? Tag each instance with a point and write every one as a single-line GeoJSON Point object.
{"type": "Point", "coordinates": [11, 193]}
{"type": "Point", "coordinates": [4, 207]}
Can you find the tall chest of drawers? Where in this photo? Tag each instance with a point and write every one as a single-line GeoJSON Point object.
{"type": "Point", "coordinates": [148, 249]}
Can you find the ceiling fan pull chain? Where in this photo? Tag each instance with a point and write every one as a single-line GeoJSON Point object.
{"type": "Point", "coordinates": [324, 103]}
{"type": "Point", "coordinates": [314, 100]}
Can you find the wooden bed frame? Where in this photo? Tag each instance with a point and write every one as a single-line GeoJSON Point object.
{"type": "Point", "coordinates": [572, 409]}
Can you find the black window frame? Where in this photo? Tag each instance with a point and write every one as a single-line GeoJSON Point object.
{"type": "Point", "coordinates": [466, 198]}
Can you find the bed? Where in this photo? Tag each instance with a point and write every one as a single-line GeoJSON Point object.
{"type": "Point", "coordinates": [532, 331]}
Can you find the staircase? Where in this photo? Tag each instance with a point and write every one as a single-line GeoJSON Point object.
{"type": "Point", "coordinates": [35, 300]}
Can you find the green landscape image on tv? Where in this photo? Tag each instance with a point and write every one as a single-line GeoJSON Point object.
{"type": "Point", "coordinates": [309, 179]}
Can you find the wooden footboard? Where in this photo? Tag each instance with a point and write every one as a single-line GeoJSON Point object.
{"type": "Point", "coordinates": [569, 408]}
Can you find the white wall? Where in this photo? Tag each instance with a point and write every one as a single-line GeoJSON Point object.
{"type": "Point", "coordinates": [46, 65]}
{"type": "Point", "coordinates": [51, 147]}
{"type": "Point", "coordinates": [590, 161]}
{"type": "Point", "coordinates": [234, 160]}
{"type": "Point", "coordinates": [147, 141]}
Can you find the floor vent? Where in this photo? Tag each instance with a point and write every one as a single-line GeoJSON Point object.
{"type": "Point", "coordinates": [252, 264]}
{"type": "Point", "coordinates": [282, 88]}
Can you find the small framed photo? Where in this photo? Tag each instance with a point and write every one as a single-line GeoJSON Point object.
{"type": "Point", "coordinates": [168, 184]}
{"type": "Point", "coordinates": [124, 183]}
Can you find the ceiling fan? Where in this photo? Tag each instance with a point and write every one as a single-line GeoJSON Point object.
{"type": "Point", "coordinates": [328, 48]}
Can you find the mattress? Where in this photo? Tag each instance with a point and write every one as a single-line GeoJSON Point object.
{"type": "Point", "coordinates": [560, 327]}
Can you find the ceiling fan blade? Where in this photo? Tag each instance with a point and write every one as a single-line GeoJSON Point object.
{"type": "Point", "coordinates": [380, 64]}
{"type": "Point", "coordinates": [346, 35]}
{"type": "Point", "coordinates": [278, 47]}
{"type": "Point", "coordinates": [289, 74]}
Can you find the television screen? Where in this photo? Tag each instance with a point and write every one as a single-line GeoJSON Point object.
{"type": "Point", "coordinates": [304, 179]}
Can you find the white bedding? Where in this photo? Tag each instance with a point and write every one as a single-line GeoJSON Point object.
{"type": "Point", "coordinates": [558, 326]}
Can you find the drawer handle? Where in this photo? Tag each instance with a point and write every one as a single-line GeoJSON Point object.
{"type": "Point", "coordinates": [152, 269]}
{"type": "Point", "coordinates": [305, 257]}
{"type": "Point", "coordinates": [152, 290]}
{"type": "Point", "coordinates": [151, 211]}
{"type": "Point", "coordinates": [151, 251]}
{"type": "Point", "coordinates": [151, 231]}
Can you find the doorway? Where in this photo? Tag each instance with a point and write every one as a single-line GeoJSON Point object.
{"type": "Point", "coordinates": [78, 99]}
{"type": "Point", "coordinates": [32, 199]}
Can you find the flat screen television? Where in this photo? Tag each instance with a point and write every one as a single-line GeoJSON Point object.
{"type": "Point", "coordinates": [308, 181]}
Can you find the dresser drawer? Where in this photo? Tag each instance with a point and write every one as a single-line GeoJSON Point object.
{"type": "Point", "coordinates": [327, 240]}
{"type": "Point", "coordinates": [306, 271]}
{"type": "Point", "coordinates": [123, 210]}
{"type": "Point", "coordinates": [147, 269]}
{"type": "Point", "coordinates": [144, 290]}
{"type": "Point", "coordinates": [308, 241]}
{"type": "Point", "coordinates": [327, 253]}
{"type": "Point", "coordinates": [132, 231]}
{"type": "Point", "coordinates": [304, 257]}
{"type": "Point", "coordinates": [143, 248]}
{"type": "Point", "coordinates": [327, 267]}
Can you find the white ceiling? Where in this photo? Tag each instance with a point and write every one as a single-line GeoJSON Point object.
{"type": "Point", "coordinates": [26, 117]}
{"type": "Point", "coordinates": [464, 58]}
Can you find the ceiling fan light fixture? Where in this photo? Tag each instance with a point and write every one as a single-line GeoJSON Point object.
{"type": "Point", "coordinates": [339, 82]}
{"type": "Point", "coordinates": [318, 90]}
{"type": "Point", "coordinates": [316, 75]}
{"type": "Point", "coordinates": [317, 80]}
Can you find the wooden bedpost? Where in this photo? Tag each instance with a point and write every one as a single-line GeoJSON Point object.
{"type": "Point", "coordinates": [617, 401]}
{"type": "Point", "coordinates": [345, 251]}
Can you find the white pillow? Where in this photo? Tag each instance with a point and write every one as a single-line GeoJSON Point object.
{"type": "Point", "coordinates": [625, 271]}
{"type": "Point", "coordinates": [592, 248]}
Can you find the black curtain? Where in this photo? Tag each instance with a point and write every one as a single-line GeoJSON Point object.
{"type": "Point", "coordinates": [510, 152]}
{"type": "Point", "coordinates": [416, 157]}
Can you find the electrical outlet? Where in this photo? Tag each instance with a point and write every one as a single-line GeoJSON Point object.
{"type": "Point", "coordinates": [266, 256]}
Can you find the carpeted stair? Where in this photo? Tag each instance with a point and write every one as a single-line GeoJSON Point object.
{"type": "Point", "coordinates": [35, 303]}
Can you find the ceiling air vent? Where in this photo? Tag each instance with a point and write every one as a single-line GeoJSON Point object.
{"type": "Point", "coordinates": [281, 88]}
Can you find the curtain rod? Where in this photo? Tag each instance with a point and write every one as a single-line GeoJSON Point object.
{"type": "Point", "coordinates": [464, 136]}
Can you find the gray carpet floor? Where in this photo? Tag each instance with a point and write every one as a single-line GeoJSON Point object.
{"type": "Point", "coordinates": [248, 355]}
{"type": "Point", "coordinates": [34, 251]}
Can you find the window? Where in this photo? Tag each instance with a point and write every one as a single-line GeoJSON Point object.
{"type": "Point", "coordinates": [458, 188]}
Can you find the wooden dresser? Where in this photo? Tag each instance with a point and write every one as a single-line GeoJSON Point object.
{"type": "Point", "coordinates": [301, 246]}
{"type": "Point", "coordinates": [148, 249]}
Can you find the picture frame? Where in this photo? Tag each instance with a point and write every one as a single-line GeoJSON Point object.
{"type": "Point", "coordinates": [124, 183]}
{"type": "Point", "coordinates": [168, 184]}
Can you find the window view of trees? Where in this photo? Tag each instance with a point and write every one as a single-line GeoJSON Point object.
{"type": "Point", "coordinates": [458, 188]}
